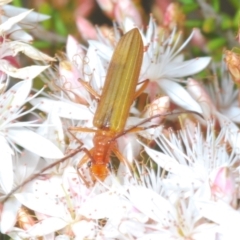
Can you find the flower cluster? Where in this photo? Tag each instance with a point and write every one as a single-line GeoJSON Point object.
{"type": "Point", "coordinates": [172, 171]}
{"type": "Point", "coordinates": [22, 136]}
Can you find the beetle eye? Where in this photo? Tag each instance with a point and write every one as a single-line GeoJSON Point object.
{"type": "Point", "coordinates": [89, 164]}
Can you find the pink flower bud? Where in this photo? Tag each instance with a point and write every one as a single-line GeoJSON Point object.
{"type": "Point", "coordinates": [223, 186]}
{"type": "Point", "coordinates": [120, 12]}
{"type": "Point", "coordinates": [173, 16]}
{"type": "Point", "coordinates": [84, 7]}
{"type": "Point", "coordinates": [200, 95]}
{"type": "Point", "coordinates": [86, 29]}
{"type": "Point", "coordinates": [163, 4]}
{"type": "Point", "coordinates": [198, 39]}
{"type": "Point", "coordinates": [158, 106]}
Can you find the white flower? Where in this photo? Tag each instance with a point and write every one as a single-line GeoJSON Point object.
{"type": "Point", "coordinates": [14, 19]}
{"type": "Point", "coordinates": [64, 204]}
{"type": "Point", "coordinates": [14, 133]}
{"type": "Point", "coordinates": [23, 167]}
{"type": "Point", "coordinates": [218, 98]}
{"type": "Point", "coordinates": [168, 219]}
{"type": "Point", "coordinates": [9, 50]}
{"type": "Point", "coordinates": [9, 28]}
{"type": "Point", "coordinates": [164, 65]}
{"type": "Point", "coordinates": [71, 99]}
{"type": "Point", "coordinates": [224, 94]}
{"type": "Point", "coordinates": [163, 59]}
{"type": "Point", "coordinates": [222, 214]}
{"type": "Point", "coordinates": [193, 160]}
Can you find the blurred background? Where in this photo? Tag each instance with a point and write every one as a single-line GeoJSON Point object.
{"type": "Point", "coordinates": [217, 20]}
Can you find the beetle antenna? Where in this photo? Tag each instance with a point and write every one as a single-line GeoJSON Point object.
{"type": "Point", "coordinates": [154, 125]}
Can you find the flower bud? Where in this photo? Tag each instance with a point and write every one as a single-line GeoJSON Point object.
{"type": "Point", "coordinates": [198, 92]}
{"type": "Point", "coordinates": [158, 106]}
{"type": "Point", "coordinates": [232, 60]}
{"type": "Point", "coordinates": [223, 186]}
{"type": "Point", "coordinates": [173, 16]}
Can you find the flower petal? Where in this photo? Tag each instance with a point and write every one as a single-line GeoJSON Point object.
{"type": "Point", "coordinates": [43, 204]}
{"type": "Point", "coordinates": [7, 25]}
{"type": "Point", "coordinates": [28, 50]}
{"type": "Point", "coordinates": [72, 47]}
{"type": "Point", "coordinates": [151, 203]}
{"type": "Point", "coordinates": [17, 33]}
{"type": "Point", "coordinates": [19, 92]}
{"type": "Point", "coordinates": [62, 237]}
{"type": "Point", "coordinates": [103, 51]}
{"type": "Point", "coordinates": [187, 68]}
{"type": "Point", "coordinates": [26, 165]}
{"type": "Point", "coordinates": [232, 112]}
{"type": "Point", "coordinates": [179, 95]}
{"type": "Point", "coordinates": [169, 163]}
{"type": "Point", "coordinates": [22, 73]}
{"type": "Point", "coordinates": [9, 214]}
{"type": "Point", "coordinates": [84, 229]}
{"type": "Point", "coordinates": [52, 129]}
{"type": "Point", "coordinates": [197, 91]}
{"type": "Point", "coordinates": [222, 214]}
{"type": "Point", "coordinates": [6, 168]}
{"type": "Point", "coordinates": [233, 134]}
{"type": "Point", "coordinates": [103, 205]}
{"type": "Point", "coordinates": [32, 17]}
{"type": "Point", "coordinates": [34, 143]}
{"type": "Point", "coordinates": [47, 226]}
{"type": "Point", "coordinates": [63, 109]}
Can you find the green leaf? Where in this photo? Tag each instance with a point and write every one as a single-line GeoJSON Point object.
{"type": "Point", "coordinates": [196, 51]}
{"type": "Point", "coordinates": [216, 5]}
{"type": "Point", "coordinates": [17, 3]}
{"type": "Point", "coordinates": [235, 3]}
{"type": "Point", "coordinates": [189, 8]}
{"type": "Point", "coordinates": [187, 1]}
{"type": "Point", "coordinates": [45, 8]}
{"type": "Point", "coordinates": [216, 43]}
{"type": "Point", "coordinates": [203, 74]}
{"type": "Point", "coordinates": [193, 23]}
{"type": "Point", "coordinates": [41, 44]}
{"type": "Point", "coordinates": [209, 25]}
{"type": "Point", "coordinates": [59, 25]}
{"type": "Point", "coordinates": [226, 22]}
{"type": "Point", "coordinates": [236, 19]}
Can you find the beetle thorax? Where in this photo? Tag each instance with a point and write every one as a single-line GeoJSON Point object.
{"type": "Point", "coordinates": [103, 147]}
